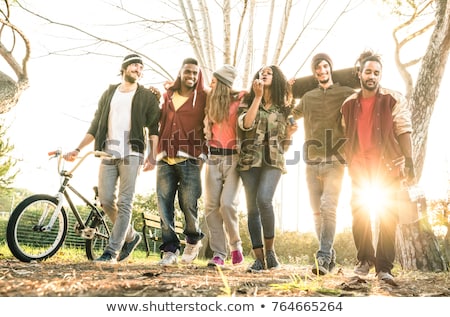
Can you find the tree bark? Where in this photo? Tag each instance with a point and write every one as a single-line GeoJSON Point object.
{"type": "Point", "coordinates": [417, 246]}
{"type": "Point", "coordinates": [9, 93]}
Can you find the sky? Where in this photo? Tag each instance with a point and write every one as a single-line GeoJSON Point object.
{"type": "Point", "coordinates": [56, 110]}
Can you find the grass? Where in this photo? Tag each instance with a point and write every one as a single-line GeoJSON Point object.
{"type": "Point", "coordinates": [306, 284]}
{"type": "Point", "coordinates": [72, 254]}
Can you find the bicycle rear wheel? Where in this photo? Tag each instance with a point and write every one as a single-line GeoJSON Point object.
{"type": "Point", "coordinates": [96, 245]}
{"type": "Point", "coordinates": [26, 234]}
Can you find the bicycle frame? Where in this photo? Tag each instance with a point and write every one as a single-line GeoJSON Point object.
{"type": "Point", "coordinates": [63, 195]}
{"type": "Point", "coordinates": [38, 226]}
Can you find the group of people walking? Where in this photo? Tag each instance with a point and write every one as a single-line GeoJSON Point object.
{"type": "Point", "coordinates": [241, 137]}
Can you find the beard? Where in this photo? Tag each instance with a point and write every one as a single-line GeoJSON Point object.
{"type": "Point", "coordinates": [368, 87]}
{"type": "Point", "coordinates": [130, 79]}
{"type": "Point", "coordinates": [326, 80]}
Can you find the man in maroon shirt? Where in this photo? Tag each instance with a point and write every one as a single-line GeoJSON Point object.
{"type": "Point", "coordinates": [378, 129]}
{"type": "Point", "coordinates": [181, 151]}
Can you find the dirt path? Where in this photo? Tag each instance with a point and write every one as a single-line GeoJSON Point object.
{"type": "Point", "coordinates": [148, 279]}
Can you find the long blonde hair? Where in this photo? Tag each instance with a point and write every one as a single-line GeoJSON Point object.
{"type": "Point", "coordinates": [218, 102]}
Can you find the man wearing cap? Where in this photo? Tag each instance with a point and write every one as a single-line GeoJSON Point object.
{"type": "Point", "coordinates": [124, 113]}
{"type": "Point", "coordinates": [222, 181]}
{"type": "Point", "coordinates": [323, 155]}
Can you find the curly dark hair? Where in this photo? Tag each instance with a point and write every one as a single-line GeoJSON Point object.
{"type": "Point", "coordinates": [367, 56]}
{"type": "Point", "coordinates": [279, 89]}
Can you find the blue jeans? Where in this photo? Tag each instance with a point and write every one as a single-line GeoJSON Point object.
{"type": "Point", "coordinates": [260, 184]}
{"type": "Point", "coordinates": [118, 207]}
{"type": "Point", "coordinates": [183, 178]}
{"type": "Point", "coordinates": [324, 182]}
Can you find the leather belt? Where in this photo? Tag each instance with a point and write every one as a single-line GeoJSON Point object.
{"type": "Point", "coordinates": [218, 151]}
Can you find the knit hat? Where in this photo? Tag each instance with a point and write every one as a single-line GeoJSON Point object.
{"type": "Point", "coordinates": [131, 59]}
{"type": "Point", "coordinates": [226, 75]}
{"type": "Point", "coordinates": [318, 58]}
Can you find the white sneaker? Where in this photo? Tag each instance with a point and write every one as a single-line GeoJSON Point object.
{"type": "Point", "coordinates": [190, 252]}
{"type": "Point", "coordinates": [169, 258]}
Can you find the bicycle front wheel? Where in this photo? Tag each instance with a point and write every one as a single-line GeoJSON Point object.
{"type": "Point", "coordinates": [28, 234]}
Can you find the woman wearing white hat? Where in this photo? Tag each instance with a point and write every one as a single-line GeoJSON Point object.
{"type": "Point", "coordinates": [222, 179]}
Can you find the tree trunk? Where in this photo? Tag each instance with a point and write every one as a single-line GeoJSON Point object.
{"type": "Point", "coordinates": [9, 93]}
{"type": "Point", "coordinates": [417, 246]}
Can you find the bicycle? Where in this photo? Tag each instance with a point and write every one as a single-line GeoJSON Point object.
{"type": "Point", "coordinates": [38, 225]}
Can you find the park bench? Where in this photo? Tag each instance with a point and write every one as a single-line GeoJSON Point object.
{"type": "Point", "coordinates": [151, 230]}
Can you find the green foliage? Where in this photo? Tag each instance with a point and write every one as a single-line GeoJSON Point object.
{"type": "Point", "coordinates": [345, 248]}
{"type": "Point", "coordinates": [143, 203]}
{"type": "Point", "coordinates": [11, 197]}
{"type": "Point", "coordinates": [3, 224]}
{"type": "Point", "coordinates": [7, 163]}
{"type": "Point", "coordinates": [438, 212]}
{"type": "Point", "coordinates": [296, 248]}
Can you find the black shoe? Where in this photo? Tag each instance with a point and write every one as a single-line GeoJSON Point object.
{"type": "Point", "coordinates": [129, 247]}
{"type": "Point", "coordinates": [106, 258]}
{"type": "Point", "coordinates": [321, 267]}
{"type": "Point", "coordinates": [271, 260]}
{"type": "Point", "coordinates": [257, 266]}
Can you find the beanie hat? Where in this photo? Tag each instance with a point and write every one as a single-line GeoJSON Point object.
{"type": "Point", "coordinates": [318, 58]}
{"type": "Point", "coordinates": [131, 59]}
{"type": "Point", "coordinates": [226, 75]}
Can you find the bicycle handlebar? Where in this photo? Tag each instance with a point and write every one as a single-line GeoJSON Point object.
{"type": "Point", "coordinates": [58, 154]}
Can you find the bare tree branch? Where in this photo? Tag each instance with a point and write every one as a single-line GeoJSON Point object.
{"type": "Point", "coordinates": [249, 54]}
{"type": "Point", "coordinates": [325, 35]}
{"type": "Point", "coordinates": [159, 70]}
{"type": "Point", "coordinates": [226, 31]}
{"type": "Point", "coordinates": [282, 33]}
{"type": "Point", "coordinates": [239, 31]}
{"type": "Point", "coordinates": [399, 44]}
{"type": "Point", "coordinates": [265, 51]}
{"type": "Point", "coordinates": [20, 70]}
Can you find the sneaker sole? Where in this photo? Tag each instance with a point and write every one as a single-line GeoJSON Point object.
{"type": "Point", "coordinates": [168, 264]}
{"type": "Point", "coordinates": [255, 271]}
{"type": "Point", "coordinates": [184, 261]}
{"type": "Point", "coordinates": [274, 267]}
{"type": "Point", "coordinates": [320, 272]}
{"type": "Point", "coordinates": [105, 263]}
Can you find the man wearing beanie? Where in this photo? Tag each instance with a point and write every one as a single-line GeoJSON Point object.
{"type": "Point", "coordinates": [317, 59]}
{"type": "Point", "coordinates": [130, 59]}
{"type": "Point", "coordinates": [323, 155]}
{"type": "Point", "coordinates": [123, 111]}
